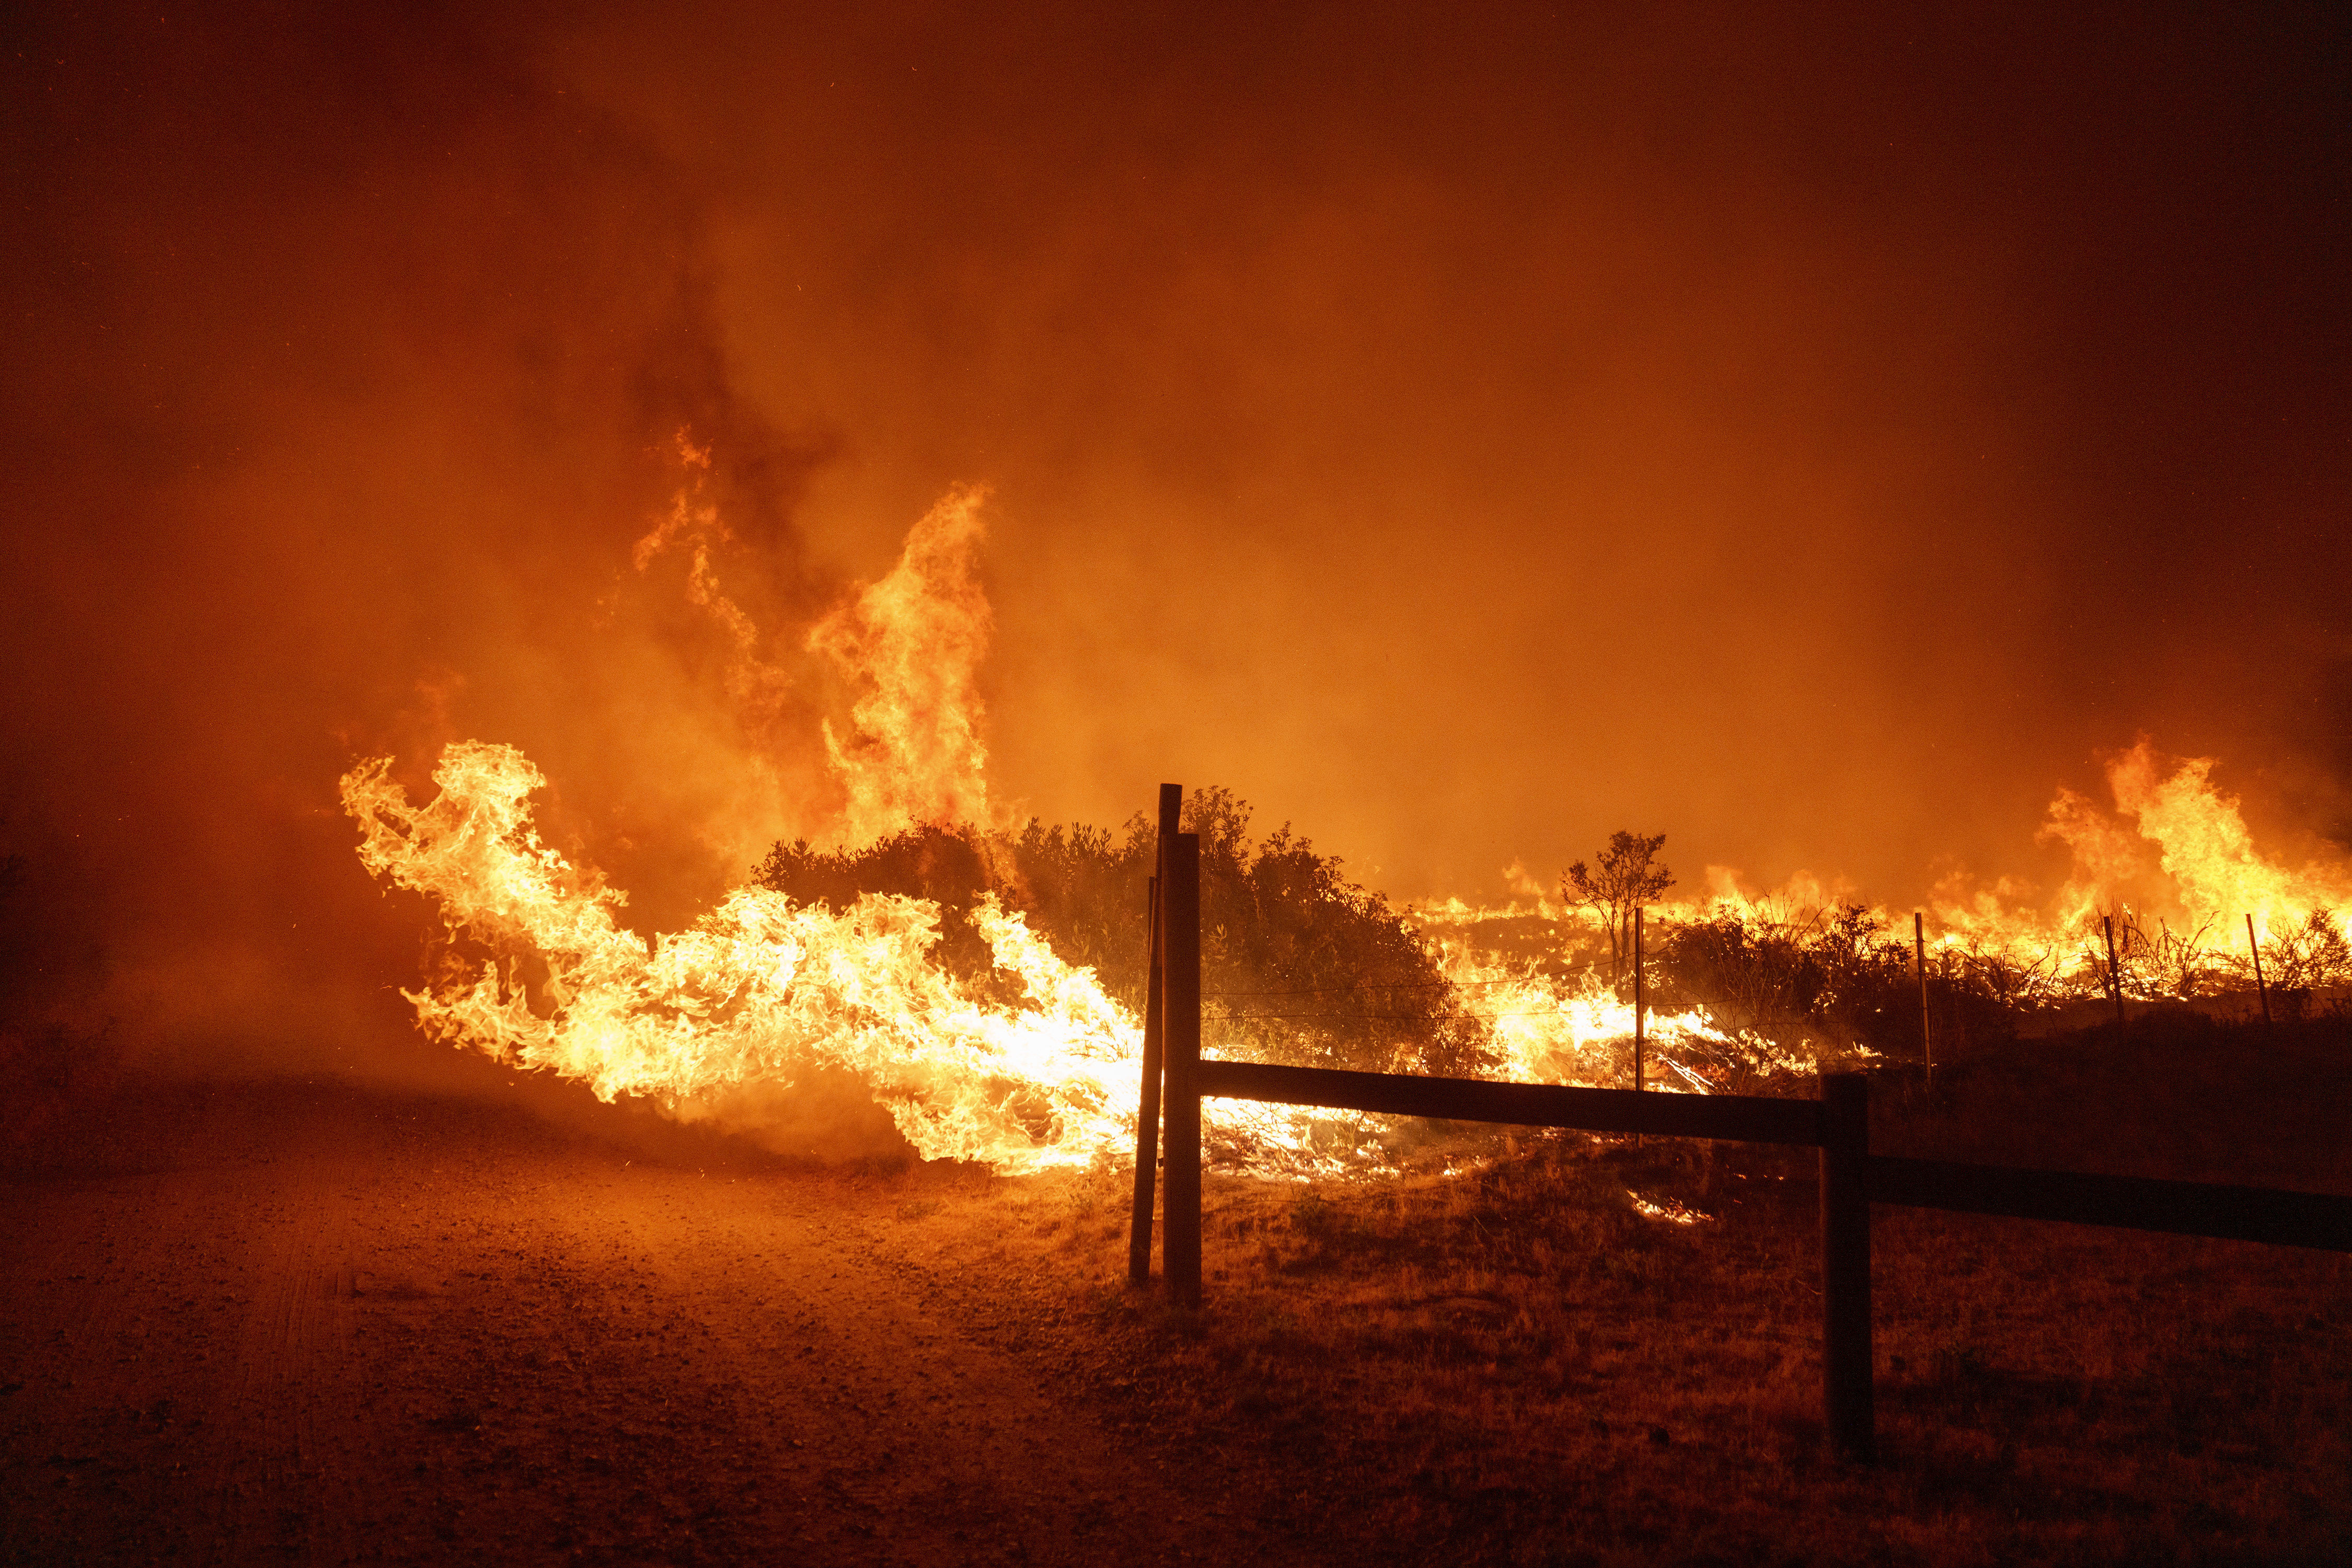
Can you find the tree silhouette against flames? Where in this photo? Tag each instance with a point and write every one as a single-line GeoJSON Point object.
{"type": "Point", "coordinates": [1628, 878]}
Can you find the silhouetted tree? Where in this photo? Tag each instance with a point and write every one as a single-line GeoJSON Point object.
{"type": "Point", "coordinates": [1628, 877]}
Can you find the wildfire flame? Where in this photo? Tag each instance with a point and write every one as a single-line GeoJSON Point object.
{"type": "Point", "coordinates": [2202, 844]}
{"type": "Point", "coordinates": [2172, 865]}
{"type": "Point", "coordinates": [914, 753]}
{"type": "Point", "coordinates": [541, 972]}
{"type": "Point", "coordinates": [761, 992]}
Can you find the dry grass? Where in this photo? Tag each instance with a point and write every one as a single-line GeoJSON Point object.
{"type": "Point", "coordinates": [1520, 1366]}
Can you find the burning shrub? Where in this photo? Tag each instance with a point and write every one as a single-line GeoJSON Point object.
{"type": "Point", "coordinates": [2309, 956]}
{"type": "Point", "coordinates": [2165, 964]}
{"type": "Point", "coordinates": [1300, 964]}
{"type": "Point", "coordinates": [1831, 974]}
{"type": "Point", "coordinates": [1297, 963]}
{"type": "Point", "coordinates": [945, 864]}
{"type": "Point", "coordinates": [2300, 961]}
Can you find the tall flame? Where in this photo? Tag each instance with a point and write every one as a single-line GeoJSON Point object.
{"type": "Point", "coordinates": [2175, 850]}
{"type": "Point", "coordinates": [2204, 847]}
{"type": "Point", "coordinates": [914, 754]}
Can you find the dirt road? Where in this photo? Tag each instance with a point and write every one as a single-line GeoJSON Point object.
{"type": "Point", "coordinates": [318, 1325]}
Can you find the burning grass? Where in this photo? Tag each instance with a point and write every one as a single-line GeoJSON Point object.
{"type": "Point", "coordinates": [1539, 1361]}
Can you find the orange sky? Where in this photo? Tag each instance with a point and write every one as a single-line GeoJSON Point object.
{"type": "Point", "coordinates": [1463, 431]}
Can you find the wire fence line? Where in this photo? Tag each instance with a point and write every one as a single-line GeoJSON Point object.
{"type": "Point", "coordinates": [1372, 985]}
{"type": "Point", "coordinates": [1570, 971]}
{"type": "Point", "coordinates": [1177, 1078]}
{"type": "Point", "coordinates": [1375, 1017]}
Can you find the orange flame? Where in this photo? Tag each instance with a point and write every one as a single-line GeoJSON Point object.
{"type": "Point", "coordinates": [756, 684]}
{"type": "Point", "coordinates": [759, 991]}
{"type": "Point", "coordinates": [2204, 847]}
{"type": "Point", "coordinates": [914, 753]}
{"type": "Point", "coordinates": [2173, 862]}
{"type": "Point", "coordinates": [762, 991]}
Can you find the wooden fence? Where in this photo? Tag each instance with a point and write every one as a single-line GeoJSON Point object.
{"type": "Point", "coordinates": [1176, 1080]}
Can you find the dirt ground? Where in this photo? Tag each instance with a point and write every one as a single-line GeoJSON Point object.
{"type": "Point", "coordinates": [320, 1324]}
{"type": "Point", "coordinates": [315, 1324]}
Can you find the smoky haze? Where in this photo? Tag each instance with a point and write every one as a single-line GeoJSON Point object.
{"type": "Point", "coordinates": [1463, 432]}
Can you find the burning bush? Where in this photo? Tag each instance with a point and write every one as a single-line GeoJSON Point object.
{"type": "Point", "coordinates": [1298, 963]}
{"type": "Point", "coordinates": [2300, 959]}
{"type": "Point", "coordinates": [1833, 974]}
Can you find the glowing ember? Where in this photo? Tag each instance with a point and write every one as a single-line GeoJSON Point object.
{"type": "Point", "coordinates": [1670, 1210]}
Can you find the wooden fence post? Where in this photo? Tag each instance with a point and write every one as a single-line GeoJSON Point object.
{"type": "Point", "coordinates": [1846, 1395]}
{"type": "Point", "coordinates": [1146, 1104]}
{"type": "Point", "coordinates": [2261, 989]}
{"type": "Point", "coordinates": [1146, 1108]}
{"type": "Point", "coordinates": [2114, 971]}
{"type": "Point", "coordinates": [1637, 999]}
{"type": "Point", "coordinates": [1179, 902]}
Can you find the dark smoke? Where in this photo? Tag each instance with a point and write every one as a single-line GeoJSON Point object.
{"type": "Point", "coordinates": [350, 359]}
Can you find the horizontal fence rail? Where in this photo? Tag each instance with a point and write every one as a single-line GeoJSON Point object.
{"type": "Point", "coordinates": [2271, 1214]}
{"type": "Point", "coordinates": [1742, 1118]}
{"type": "Point", "coordinates": [1177, 1079]}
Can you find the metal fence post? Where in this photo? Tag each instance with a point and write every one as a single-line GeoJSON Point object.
{"type": "Point", "coordinates": [2114, 970]}
{"type": "Point", "coordinates": [1846, 1394]}
{"type": "Point", "coordinates": [1926, 1027]}
{"type": "Point", "coordinates": [1180, 894]}
{"type": "Point", "coordinates": [2262, 988]}
{"type": "Point", "coordinates": [1147, 1110]}
{"type": "Point", "coordinates": [1146, 1104]}
{"type": "Point", "coordinates": [1637, 1003]}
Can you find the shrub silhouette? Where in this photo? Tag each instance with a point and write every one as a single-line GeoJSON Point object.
{"type": "Point", "coordinates": [1832, 976]}
{"type": "Point", "coordinates": [1297, 963]}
